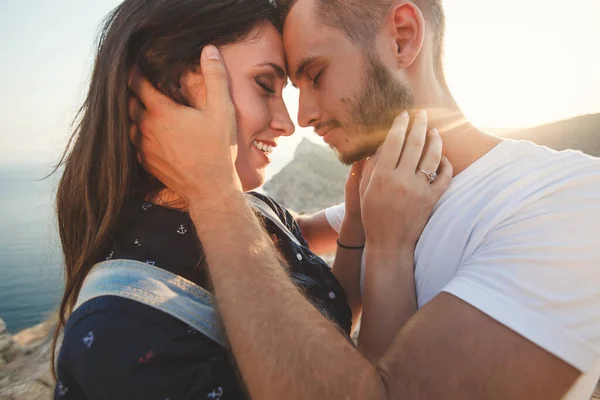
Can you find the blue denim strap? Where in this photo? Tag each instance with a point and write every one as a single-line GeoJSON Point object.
{"type": "Point", "coordinates": [157, 288]}
{"type": "Point", "coordinates": [163, 290]}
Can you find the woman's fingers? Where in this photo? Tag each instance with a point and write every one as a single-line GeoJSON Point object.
{"type": "Point", "coordinates": [432, 154]}
{"type": "Point", "coordinates": [355, 174]}
{"type": "Point", "coordinates": [444, 178]}
{"type": "Point", "coordinates": [414, 144]}
{"type": "Point", "coordinates": [392, 146]}
{"type": "Point", "coordinates": [367, 173]}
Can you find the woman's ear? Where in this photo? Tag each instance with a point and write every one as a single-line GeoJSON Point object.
{"type": "Point", "coordinates": [406, 27]}
{"type": "Point", "coordinates": [192, 86]}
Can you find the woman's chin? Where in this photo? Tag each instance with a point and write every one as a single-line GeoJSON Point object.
{"type": "Point", "coordinates": [252, 181]}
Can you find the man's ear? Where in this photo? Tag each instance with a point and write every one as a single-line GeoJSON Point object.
{"type": "Point", "coordinates": [193, 87]}
{"type": "Point", "coordinates": [406, 26]}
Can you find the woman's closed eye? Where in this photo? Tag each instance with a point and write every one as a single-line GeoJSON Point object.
{"type": "Point", "coordinates": [265, 85]}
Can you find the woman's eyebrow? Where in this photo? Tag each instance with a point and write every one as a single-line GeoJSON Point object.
{"type": "Point", "coordinates": [278, 70]}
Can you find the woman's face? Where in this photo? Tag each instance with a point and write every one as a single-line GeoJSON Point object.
{"type": "Point", "coordinates": [257, 74]}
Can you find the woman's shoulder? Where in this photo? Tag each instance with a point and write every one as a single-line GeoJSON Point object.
{"type": "Point", "coordinates": [283, 213]}
{"type": "Point", "coordinates": [120, 322]}
{"type": "Point", "coordinates": [119, 347]}
{"type": "Point", "coordinates": [271, 202]}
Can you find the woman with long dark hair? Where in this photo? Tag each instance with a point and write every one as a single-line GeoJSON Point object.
{"type": "Point", "coordinates": [110, 209]}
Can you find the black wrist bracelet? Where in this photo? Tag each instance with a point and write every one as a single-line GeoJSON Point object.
{"type": "Point", "coordinates": [350, 247]}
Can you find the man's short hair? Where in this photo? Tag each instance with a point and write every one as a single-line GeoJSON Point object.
{"type": "Point", "coordinates": [360, 20]}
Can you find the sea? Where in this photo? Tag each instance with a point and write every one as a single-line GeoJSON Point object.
{"type": "Point", "coordinates": [31, 278]}
{"type": "Point", "coordinates": [31, 270]}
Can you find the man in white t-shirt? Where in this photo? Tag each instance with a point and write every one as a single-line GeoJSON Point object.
{"type": "Point", "coordinates": [506, 269]}
{"type": "Point", "coordinates": [516, 236]}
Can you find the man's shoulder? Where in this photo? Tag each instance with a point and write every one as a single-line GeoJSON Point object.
{"type": "Point", "coordinates": [527, 171]}
{"type": "Point", "coordinates": [529, 153]}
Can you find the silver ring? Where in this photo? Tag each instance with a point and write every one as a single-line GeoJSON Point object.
{"type": "Point", "coordinates": [431, 176]}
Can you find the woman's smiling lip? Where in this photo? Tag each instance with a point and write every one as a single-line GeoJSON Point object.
{"type": "Point", "coordinates": [265, 155]}
{"type": "Point", "coordinates": [266, 141]}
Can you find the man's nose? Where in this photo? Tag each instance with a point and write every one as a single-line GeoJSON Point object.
{"type": "Point", "coordinates": [308, 110]}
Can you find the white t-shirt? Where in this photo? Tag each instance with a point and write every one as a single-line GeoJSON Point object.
{"type": "Point", "coordinates": [517, 236]}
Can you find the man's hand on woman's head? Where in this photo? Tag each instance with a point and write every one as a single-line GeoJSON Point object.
{"type": "Point", "coordinates": [397, 196]}
{"type": "Point", "coordinates": [191, 151]}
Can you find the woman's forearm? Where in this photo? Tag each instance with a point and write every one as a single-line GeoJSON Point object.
{"type": "Point", "coordinates": [317, 232]}
{"type": "Point", "coordinates": [347, 264]}
{"type": "Point", "coordinates": [389, 299]}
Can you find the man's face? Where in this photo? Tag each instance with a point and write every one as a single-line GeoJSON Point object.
{"type": "Point", "coordinates": [346, 93]}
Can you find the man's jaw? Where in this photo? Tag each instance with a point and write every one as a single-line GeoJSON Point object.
{"type": "Point", "coordinates": [360, 152]}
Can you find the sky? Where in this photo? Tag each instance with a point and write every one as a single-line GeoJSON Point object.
{"type": "Point", "coordinates": [510, 64]}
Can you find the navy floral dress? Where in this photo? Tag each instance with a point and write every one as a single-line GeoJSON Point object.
{"type": "Point", "coordinates": [115, 348]}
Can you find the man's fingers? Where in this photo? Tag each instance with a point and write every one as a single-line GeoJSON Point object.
{"type": "Point", "coordinates": [135, 135]}
{"type": "Point", "coordinates": [414, 143]}
{"type": "Point", "coordinates": [136, 138]}
{"type": "Point", "coordinates": [432, 155]}
{"type": "Point", "coordinates": [392, 146]}
{"type": "Point", "coordinates": [147, 94]}
{"type": "Point", "coordinates": [216, 80]}
{"type": "Point", "coordinates": [136, 109]}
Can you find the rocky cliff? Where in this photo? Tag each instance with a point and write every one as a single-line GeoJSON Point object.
{"type": "Point", "coordinates": [314, 180]}
{"type": "Point", "coordinates": [25, 363]}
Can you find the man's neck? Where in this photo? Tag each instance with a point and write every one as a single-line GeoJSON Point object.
{"type": "Point", "coordinates": [463, 142]}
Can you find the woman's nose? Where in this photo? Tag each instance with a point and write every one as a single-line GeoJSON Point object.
{"type": "Point", "coordinates": [281, 122]}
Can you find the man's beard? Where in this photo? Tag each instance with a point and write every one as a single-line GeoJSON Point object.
{"type": "Point", "coordinates": [374, 110]}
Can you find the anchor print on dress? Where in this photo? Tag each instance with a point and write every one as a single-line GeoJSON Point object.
{"type": "Point", "coordinates": [62, 389]}
{"type": "Point", "coordinates": [192, 331]}
{"type": "Point", "coordinates": [146, 206]}
{"type": "Point", "coordinates": [89, 340]}
{"type": "Point", "coordinates": [149, 262]}
{"type": "Point", "coordinates": [216, 394]}
{"type": "Point", "coordinates": [182, 230]}
{"type": "Point", "coordinates": [137, 243]}
{"type": "Point", "coordinates": [110, 256]}
{"type": "Point", "coordinates": [146, 359]}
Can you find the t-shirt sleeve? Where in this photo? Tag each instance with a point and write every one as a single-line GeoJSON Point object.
{"type": "Point", "coordinates": [335, 216]}
{"type": "Point", "coordinates": [537, 273]}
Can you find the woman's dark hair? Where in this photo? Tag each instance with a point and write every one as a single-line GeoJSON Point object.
{"type": "Point", "coordinates": [101, 173]}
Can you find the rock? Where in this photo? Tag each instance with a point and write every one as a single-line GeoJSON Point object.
{"type": "Point", "coordinates": [25, 366]}
{"type": "Point", "coordinates": [5, 343]}
{"type": "Point", "coordinates": [2, 326]}
{"type": "Point", "coordinates": [33, 337]}
{"type": "Point", "coordinates": [579, 133]}
{"type": "Point", "coordinates": [314, 180]}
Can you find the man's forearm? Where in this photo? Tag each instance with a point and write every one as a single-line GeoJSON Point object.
{"type": "Point", "coordinates": [389, 300]}
{"type": "Point", "coordinates": [284, 347]}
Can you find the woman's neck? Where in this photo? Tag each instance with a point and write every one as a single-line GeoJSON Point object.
{"type": "Point", "coordinates": [168, 199]}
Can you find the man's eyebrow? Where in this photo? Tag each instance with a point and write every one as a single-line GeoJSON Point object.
{"type": "Point", "coordinates": [302, 66]}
